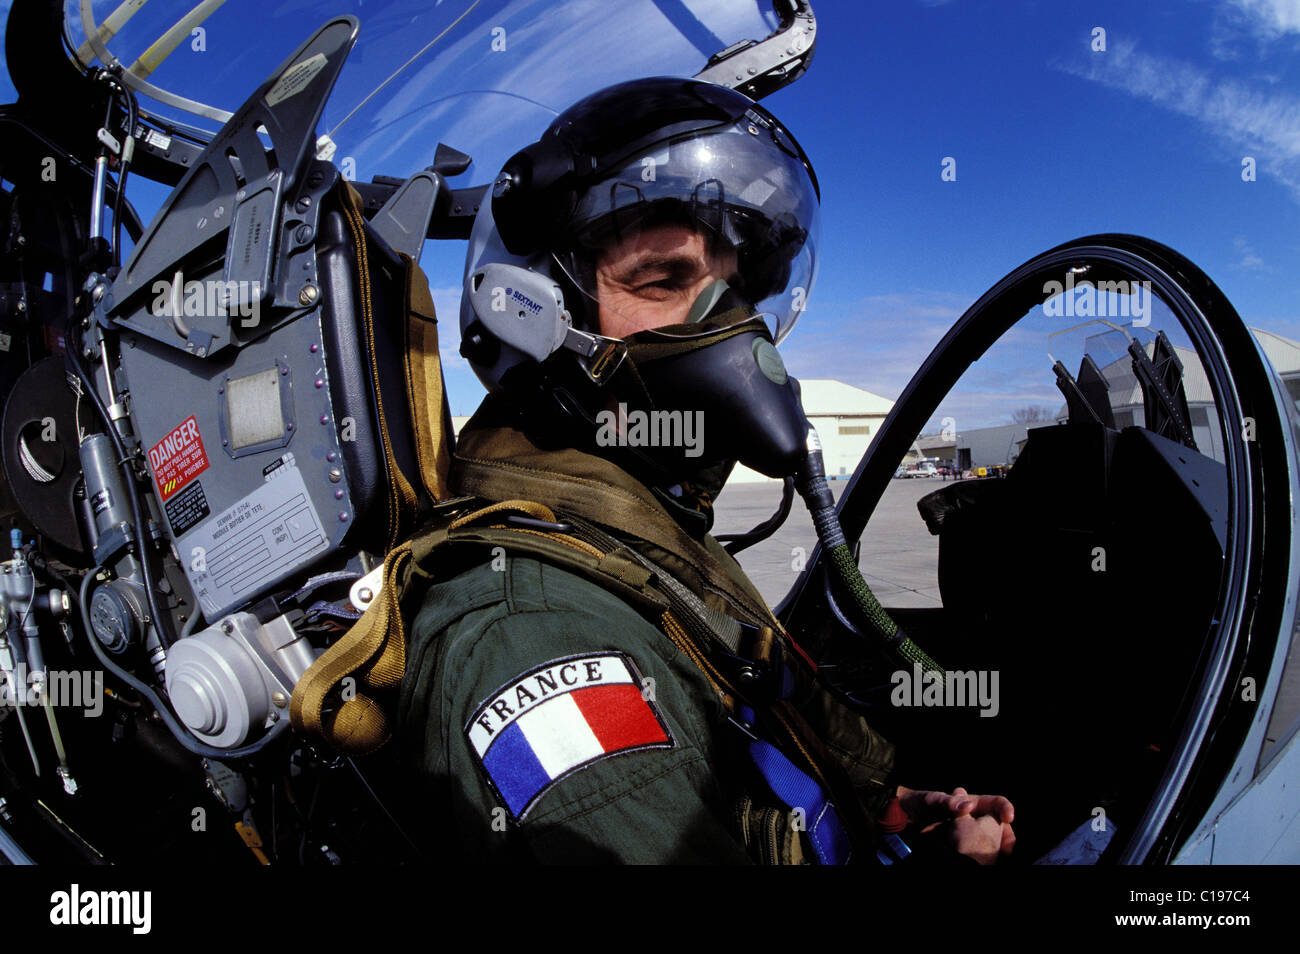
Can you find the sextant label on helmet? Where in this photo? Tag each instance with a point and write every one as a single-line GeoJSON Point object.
{"type": "Point", "coordinates": [259, 540]}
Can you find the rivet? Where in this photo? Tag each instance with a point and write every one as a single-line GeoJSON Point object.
{"type": "Point", "coordinates": [324, 419]}
{"type": "Point", "coordinates": [320, 382]}
{"type": "Point", "coordinates": [338, 494]}
{"type": "Point", "coordinates": [343, 517]}
{"type": "Point", "coordinates": [312, 349]}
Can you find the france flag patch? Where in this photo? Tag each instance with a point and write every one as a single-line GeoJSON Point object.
{"type": "Point", "coordinates": [561, 717]}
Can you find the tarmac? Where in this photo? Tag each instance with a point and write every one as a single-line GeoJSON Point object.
{"type": "Point", "coordinates": [899, 556]}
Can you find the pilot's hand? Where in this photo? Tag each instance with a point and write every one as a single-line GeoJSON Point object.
{"type": "Point", "coordinates": [925, 808]}
{"type": "Point", "coordinates": [978, 826]}
{"type": "Point", "coordinates": [982, 837]}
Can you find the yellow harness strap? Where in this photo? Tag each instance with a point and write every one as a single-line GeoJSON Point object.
{"type": "Point", "coordinates": [364, 668]}
{"type": "Point", "coordinates": [402, 502]}
{"type": "Point", "coordinates": [367, 663]}
{"type": "Point", "coordinates": [430, 412]}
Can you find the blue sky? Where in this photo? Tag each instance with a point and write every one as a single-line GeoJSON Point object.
{"type": "Point", "coordinates": [1052, 140]}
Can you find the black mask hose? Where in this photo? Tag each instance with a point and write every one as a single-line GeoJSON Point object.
{"type": "Point", "coordinates": [735, 542]}
{"type": "Point", "coordinates": [810, 481]}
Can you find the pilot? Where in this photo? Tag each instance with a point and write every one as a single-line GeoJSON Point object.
{"type": "Point", "coordinates": [554, 717]}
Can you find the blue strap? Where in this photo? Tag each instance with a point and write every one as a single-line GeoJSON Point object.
{"type": "Point", "coordinates": [796, 789]}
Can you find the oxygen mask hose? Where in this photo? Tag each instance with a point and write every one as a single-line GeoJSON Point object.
{"type": "Point", "coordinates": [810, 481]}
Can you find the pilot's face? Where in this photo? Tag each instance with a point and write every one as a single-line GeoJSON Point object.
{"type": "Point", "coordinates": [651, 279]}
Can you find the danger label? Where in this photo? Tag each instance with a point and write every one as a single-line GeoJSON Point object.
{"type": "Point", "coordinates": [178, 458]}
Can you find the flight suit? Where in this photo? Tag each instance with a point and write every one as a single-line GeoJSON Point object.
{"type": "Point", "coordinates": [553, 723]}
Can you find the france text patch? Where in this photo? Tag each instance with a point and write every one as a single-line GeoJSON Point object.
{"type": "Point", "coordinates": [561, 717]}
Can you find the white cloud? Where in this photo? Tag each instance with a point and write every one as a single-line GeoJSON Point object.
{"type": "Point", "coordinates": [1266, 124]}
{"type": "Point", "coordinates": [1248, 258]}
{"type": "Point", "coordinates": [1271, 18]}
{"type": "Point", "coordinates": [1237, 24]}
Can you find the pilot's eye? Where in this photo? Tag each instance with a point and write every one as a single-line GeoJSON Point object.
{"type": "Point", "coordinates": [662, 288]}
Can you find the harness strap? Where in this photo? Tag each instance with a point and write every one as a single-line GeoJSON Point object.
{"type": "Point", "coordinates": [533, 509]}
{"type": "Point", "coordinates": [402, 501]}
{"type": "Point", "coordinates": [430, 412]}
{"type": "Point", "coordinates": [797, 789]}
{"type": "Point", "coordinates": [691, 628]}
{"type": "Point", "coordinates": [373, 654]}
{"type": "Point", "coordinates": [364, 668]}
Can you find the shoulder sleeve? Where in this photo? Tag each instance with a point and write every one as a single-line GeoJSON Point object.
{"type": "Point", "coordinates": [567, 729]}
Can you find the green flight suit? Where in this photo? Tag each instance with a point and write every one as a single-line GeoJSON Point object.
{"type": "Point", "coordinates": [486, 627]}
{"type": "Point", "coordinates": [692, 796]}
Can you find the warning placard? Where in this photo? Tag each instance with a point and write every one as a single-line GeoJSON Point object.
{"type": "Point", "coordinates": [178, 458]}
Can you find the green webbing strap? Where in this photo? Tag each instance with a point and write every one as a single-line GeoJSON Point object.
{"type": "Point", "coordinates": [686, 605]}
{"type": "Point", "coordinates": [511, 467]}
{"type": "Point", "coordinates": [612, 571]}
